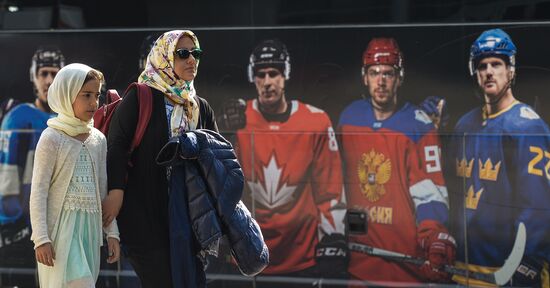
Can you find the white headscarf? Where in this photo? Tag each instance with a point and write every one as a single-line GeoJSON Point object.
{"type": "Point", "coordinates": [61, 96]}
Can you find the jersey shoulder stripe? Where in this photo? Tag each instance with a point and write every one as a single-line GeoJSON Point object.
{"type": "Point", "coordinates": [407, 120]}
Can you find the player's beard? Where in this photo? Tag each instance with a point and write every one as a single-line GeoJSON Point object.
{"type": "Point", "coordinates": [480, 92]}
{"type": "Point", "coordinates": [384, 104]}
{"type": "Point", "coordinates": [499, 95]}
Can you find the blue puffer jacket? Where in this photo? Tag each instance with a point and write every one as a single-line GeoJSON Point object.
{"type": "Point", "coordinates": [206, 185]}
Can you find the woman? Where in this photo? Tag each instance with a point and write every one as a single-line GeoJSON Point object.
{"type": "Point", "coordinates": [140, 192]}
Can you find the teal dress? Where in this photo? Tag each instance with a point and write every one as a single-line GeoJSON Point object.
{"type": "Point", "coordinates": [76, 240]}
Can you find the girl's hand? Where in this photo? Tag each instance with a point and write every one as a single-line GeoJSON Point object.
{"type": "Point", "coordinates": [45, 254]}
{"type": "Point", "coordinates": [113, 250]}
{"type": "Point", "coordinates": [111, 205]}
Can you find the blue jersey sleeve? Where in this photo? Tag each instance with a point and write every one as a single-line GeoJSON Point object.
{"type": "Point", "coordinates": [15, 154]}
{"type": "Point", "coordinates": [531, 152]}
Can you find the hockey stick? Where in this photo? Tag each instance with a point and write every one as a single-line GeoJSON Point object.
{"type": "Point", "coordinates": [499, 277]}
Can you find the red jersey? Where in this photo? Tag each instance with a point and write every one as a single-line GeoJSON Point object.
{"type": "Point", "coordinates": [393, 173]}
{"type": "Point", "coordinates": [293, 175]}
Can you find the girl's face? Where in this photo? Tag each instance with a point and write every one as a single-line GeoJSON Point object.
{"type": "Point", "coordinates": [185, 68]}
{"type": "Point", "coordinates": [87, 100]}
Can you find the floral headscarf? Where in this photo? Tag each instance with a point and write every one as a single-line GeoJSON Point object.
{"type": "Point", "coordinates": [159, 74]}
{"type": "Point", "coordinates": [61, 96]}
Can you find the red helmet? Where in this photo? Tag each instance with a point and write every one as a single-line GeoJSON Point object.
{"type": "Point", "coordinates": [383, 51]}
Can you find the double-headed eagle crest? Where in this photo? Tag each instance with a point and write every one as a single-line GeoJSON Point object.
{"type": "Point", "coordinates": [374, 170]}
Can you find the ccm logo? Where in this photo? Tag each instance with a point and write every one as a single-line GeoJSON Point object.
{"type": "Point", "coordinates": [331, 252]}
{"type": "Point", "coordinates": [527, 272]}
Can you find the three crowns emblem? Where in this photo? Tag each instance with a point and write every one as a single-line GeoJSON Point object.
{"type": "Point", "coordinates": [487, 171]}
{"type": "Point", "coordinates": [472, 198]}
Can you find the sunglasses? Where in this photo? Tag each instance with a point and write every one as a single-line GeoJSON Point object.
{"type": "Point", "coordinates": [184, 53]}
{"type": "Point", "coordinates": [271, 73]}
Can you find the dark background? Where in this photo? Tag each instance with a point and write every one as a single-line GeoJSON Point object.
{"type": "Point", "coordinates": [250, 13]}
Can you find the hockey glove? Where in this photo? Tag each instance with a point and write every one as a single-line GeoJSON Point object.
{"type": "Point", "coordinates": [332, 256]}
{"type": "Point", "coordinates": [233, 115]}
{"type": "Point", "coordinates": [528, 273]}
{"type": "Point", "coordinates": [439, 250]}
{"type": "Point", "coordinates": [11, 233]}
{"type": "Point", "coordinates": [436, 108]}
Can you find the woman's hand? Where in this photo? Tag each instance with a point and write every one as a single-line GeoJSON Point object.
{"type": "Point", "coordinates": [111, 205]}
{"type": "Point", "coordinates": [113, 247]}
{"type": "Point", "coordinates": [45, 254]}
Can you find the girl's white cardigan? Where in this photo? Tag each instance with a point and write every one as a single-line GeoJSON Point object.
{"type": "Point", "coordinates": [54, 161]}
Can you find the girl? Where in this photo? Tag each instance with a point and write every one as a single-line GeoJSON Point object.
{"type": "Point", "coordinates": [69, 180]}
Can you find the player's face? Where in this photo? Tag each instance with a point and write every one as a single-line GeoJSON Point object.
{"type": "Point", "coordinates": [87, 100]}
{"type": "Point", "coordinates": [186, 69]}
{"type": "Point", "coordinates": [382, 82]}
{"type": "Point", "coordinates": [270, 84]}
{"type": "Point", "coordinates": [493, 75]}
{"type": "Point", "coordinates": [43, 80]}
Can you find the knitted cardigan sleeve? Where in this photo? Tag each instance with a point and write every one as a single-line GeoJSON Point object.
{"type": "Point", "coordinates": [44, 164]}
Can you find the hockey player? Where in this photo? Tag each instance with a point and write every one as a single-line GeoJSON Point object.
{"type": "Point", "coordinates": [500, 169]}
{"type": "Point", "coordinates": [146, 46]}
{"type": "Point", "coordinates": [21, 128]}
{"type": "Point", "coordinates": [289, 154]}
{"type": "Point", "coordinates": [393, 175]}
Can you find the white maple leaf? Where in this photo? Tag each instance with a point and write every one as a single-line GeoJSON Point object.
{"type": "Point", "coordinates": [269, 195]}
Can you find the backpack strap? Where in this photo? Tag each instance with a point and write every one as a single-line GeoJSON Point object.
{"type": "Point", "coordinates": [111, 97]}
{"type": "Point", "coordinates": [145, 102]}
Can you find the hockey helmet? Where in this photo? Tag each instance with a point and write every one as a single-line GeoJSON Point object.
{"type": "Point", "coordinates": [494, 42]}
{"type": "Point", "coordinates": [269, 53]}
{"type": "Point", "coordinates": [383, 51]}
{"type": "Point", "coordinates": [146, 46]}
{"type": "Point", "coordinates": [49, 56]}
